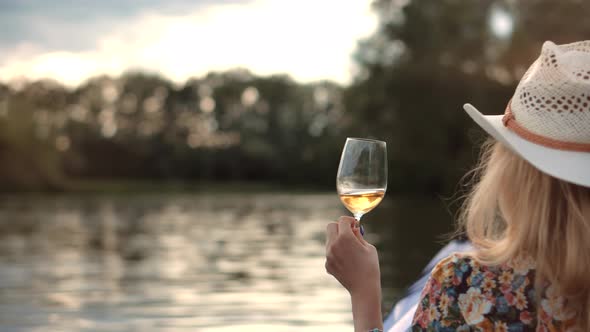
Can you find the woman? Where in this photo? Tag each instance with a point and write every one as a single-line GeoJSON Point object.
{"type": "Point", "coordinates": [528, 217]}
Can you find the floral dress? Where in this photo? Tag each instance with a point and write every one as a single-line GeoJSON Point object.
{"type": "Point", "coordinates": [462, 295]}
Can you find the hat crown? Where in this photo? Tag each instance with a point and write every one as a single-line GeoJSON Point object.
{"type": "Point", "coordinates": [553, 97]}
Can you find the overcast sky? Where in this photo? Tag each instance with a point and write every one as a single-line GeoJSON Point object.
{"type": "Point", "coordinates": [73, 40]}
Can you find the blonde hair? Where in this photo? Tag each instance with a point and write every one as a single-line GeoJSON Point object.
{"type": "Point", "coordinates": [514, 209]}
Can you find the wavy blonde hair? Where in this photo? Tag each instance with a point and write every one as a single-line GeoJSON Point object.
{"type": "Point", "coordinates": [513, 209]}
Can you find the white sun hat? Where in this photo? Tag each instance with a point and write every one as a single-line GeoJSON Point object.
{"type": "Point", "coordinates": [547, 121]}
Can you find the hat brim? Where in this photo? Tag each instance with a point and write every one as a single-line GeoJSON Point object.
{"type": "Point", "coordinates": [569, 166]}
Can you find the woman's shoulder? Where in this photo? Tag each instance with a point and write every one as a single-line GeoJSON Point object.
{"type": "Point", "coordinates": [460, 265]}
{"type": "Point", "coordinates": [455, 267]}
{"type": "Point", "coordinates": [462, 292]}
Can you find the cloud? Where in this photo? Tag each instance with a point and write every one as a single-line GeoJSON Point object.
{"type": "Point", "coordinates": [67, 25]}
{"type": "Point", "coordinates": [307, 39]}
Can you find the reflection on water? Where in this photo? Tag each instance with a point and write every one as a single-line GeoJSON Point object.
{"type": "Point", "coordinates": [190, 262]}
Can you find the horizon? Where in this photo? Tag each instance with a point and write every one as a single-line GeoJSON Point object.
{"type": "Point", "coordinates": [21, 82]}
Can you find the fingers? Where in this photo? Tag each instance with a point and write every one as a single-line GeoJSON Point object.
{"type": "Point", "coordinates": [346, 224]}
{"type": "Point", "coordinates": [331, 233]}
{"type": "Point", "coordinates": [350, 226]}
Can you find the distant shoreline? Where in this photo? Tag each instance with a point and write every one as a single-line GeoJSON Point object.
{"type": "Point", "coordinates": [126, 186]}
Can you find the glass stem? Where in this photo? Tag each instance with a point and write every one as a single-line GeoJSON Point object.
{"type": "Point", "coordinates": [358, 217]}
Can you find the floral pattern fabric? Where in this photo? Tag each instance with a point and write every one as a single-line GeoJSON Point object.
{"type": "Point", "coordinates": [462, 295]}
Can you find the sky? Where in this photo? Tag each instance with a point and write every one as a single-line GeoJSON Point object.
{"type": "Point", "coordinates": [71, 41]}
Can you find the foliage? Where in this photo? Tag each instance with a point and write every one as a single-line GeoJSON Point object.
{"type": "Point", "coordinates": [428, 58]}
{"type": "Point", "coordinates": [226, 126]}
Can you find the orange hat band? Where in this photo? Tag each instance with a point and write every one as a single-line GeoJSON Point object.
{"type": "Point", "coordinates": [510, 122]}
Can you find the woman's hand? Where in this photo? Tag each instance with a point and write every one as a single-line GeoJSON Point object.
{"type": "Point", "coordinates": [355, 264]}
{"type": "Point", "coordinates": [349, 258]}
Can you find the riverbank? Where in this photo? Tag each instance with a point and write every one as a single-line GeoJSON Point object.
{"type": "Point", "coordinates": [127, 186]}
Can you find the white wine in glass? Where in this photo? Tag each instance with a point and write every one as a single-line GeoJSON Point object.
{"type": "Point", "coordinates": [362, 175]}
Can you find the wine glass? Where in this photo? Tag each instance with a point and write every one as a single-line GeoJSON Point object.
{"type": "Point", "coordinates": [362, 175]}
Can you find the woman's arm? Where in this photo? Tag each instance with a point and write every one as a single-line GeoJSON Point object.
{"type": "Point", "coordinates": [355, 264]}
{"type": "Point", "coordinates": [366, 309]}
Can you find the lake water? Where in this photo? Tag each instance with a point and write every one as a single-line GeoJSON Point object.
{"type": "Point", "coordinates": [194, 262]}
